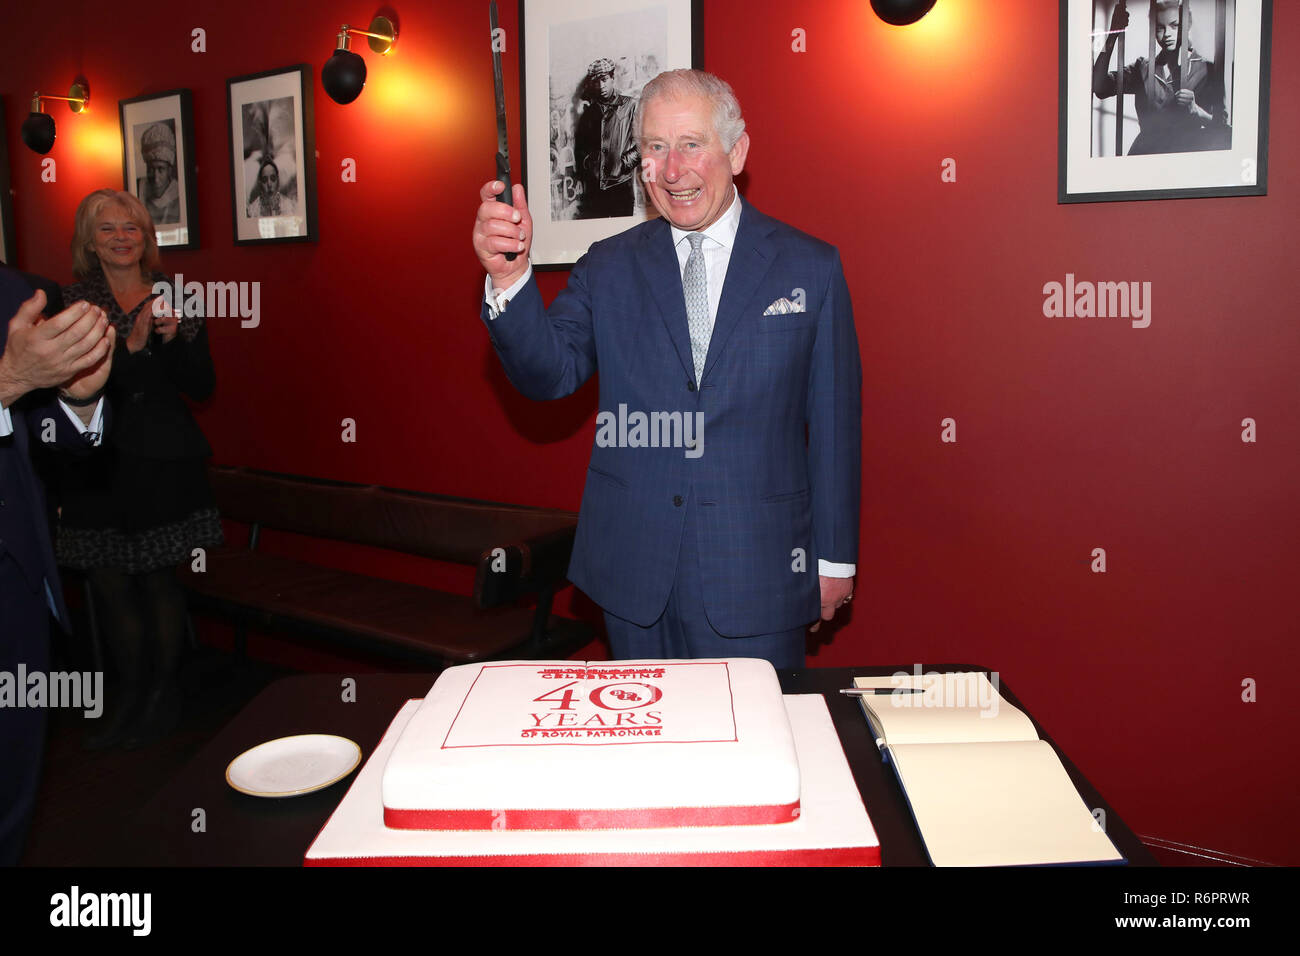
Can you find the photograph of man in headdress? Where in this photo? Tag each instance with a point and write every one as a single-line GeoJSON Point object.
{"type": "Point", "coordinates": [1178, 94]}
{"type": "Point", "coordinates": [158, 188]}
{"type": "Point", "coordinates": [604, 147]}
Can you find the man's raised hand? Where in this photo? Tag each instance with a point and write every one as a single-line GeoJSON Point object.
{"type": "Point", "coordinates": [500, 228]}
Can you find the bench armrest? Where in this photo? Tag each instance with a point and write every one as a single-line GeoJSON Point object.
{"type": "Point", "coordinates": [535, 565]}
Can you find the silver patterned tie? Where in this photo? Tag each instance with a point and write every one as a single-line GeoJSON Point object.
{"type": "Point", "coordinates": [696, 285]}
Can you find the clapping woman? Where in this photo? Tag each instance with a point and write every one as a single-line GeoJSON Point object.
{"type": "Point", "coordinates": [130, 516]}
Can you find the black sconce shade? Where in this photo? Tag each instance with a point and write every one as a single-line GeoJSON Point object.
{"type": "Point", "coordinates": [901, 12]}
{"type": "Point", "coordinates": [38, 132]}
{"type": "Point", "coordinates": [343, 76]}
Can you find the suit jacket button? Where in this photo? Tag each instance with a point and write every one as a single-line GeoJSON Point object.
{"type": "Point", "coordinates": [690, 386]}
{"type": "Point", "coordinates": [677, 500]}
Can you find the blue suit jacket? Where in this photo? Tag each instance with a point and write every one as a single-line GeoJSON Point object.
{"type": "Point", "coordinates": [24, 530]}
{"type": "Point", "coordinates": [776, 484]}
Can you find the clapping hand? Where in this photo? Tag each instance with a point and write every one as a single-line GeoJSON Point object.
{"type": "Point", "coordinates": [165, 320]}
{"type": "Point", "coordinates": [73, 349]}
{"type": "Point", "coordinates": [139, 336]}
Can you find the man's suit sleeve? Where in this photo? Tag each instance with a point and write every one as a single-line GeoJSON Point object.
{"type": "Point", "coordinates": [45, 409]}
{"type": "Point", "coordinates": [835, 425]}
{"type": "Point", "coordinates": [547, 353]}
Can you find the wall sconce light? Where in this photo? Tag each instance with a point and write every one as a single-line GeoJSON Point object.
{"type": "Point", "coordinates": [901, 12]}
{"type": "Point", "coordinates": [344, 73]}
{"type": "Point", "coordinates": [38, 128]}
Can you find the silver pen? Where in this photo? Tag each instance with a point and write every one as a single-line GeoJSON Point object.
{"type": "Point", "coordinates": [873, 691]}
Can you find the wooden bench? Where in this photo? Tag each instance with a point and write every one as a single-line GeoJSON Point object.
{"type": "Point", "coordinates": [518, 551]}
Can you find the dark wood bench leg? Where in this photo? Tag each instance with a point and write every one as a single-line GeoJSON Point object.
{"type": "Point", "coordinates": [541, 619]}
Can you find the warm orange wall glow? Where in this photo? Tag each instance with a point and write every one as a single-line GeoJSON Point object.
{"type": "Point", "coordinates": [413, 92]}
{"type": "Point", "coordinates": [93, 136]}
{"type": "Point", "coordinates": [955, 52]}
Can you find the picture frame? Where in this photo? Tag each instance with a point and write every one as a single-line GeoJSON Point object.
{"type": "Point", "coordinates": [158, 163]}
{"type": "Point", "coordinates": [8, 234]}
{"type": "Point", "coordinates": [1195, 126]}
{"type": "Point", "coordinates": [272, 156]}
{"type": "Point", "coordinates": [581, 190]}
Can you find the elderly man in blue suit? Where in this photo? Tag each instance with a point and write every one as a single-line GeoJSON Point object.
{"type": "Point", "coordinates": [72, 349]}
{"type": "Point", "coordinates": [720, 512]}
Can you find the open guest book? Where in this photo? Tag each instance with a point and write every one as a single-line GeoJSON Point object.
{"type": "Point", "coordinates": [983, 788]}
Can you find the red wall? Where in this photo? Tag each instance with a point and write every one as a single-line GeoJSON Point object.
{"type": "Point", "coordinates": [1073, 434]}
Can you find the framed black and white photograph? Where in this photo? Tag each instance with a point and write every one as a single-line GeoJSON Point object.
{"type": "Point", "coordinates": [272, 156]}
{"type": "Point", "coordinates": [8, 252]}
{"type": "Point", "coordinates": [583, 64]}
{"type": "Point", "coordinates": [158, 164]}
{"type": "Point", "coordinates": [1163, 99]}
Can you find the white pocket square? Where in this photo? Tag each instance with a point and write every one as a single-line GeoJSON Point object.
{"type": "Point", "coordinates": [783, 306]}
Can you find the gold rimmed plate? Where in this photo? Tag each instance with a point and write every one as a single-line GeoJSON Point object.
{"type": "Point", "coordinates": [289, 766]}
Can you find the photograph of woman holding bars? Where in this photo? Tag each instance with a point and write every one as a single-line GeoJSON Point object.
{"type": "Point", "coordinates": [1177, 93]}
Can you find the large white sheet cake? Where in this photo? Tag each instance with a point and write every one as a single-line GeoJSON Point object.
{"type": "Point", "coordinates": [544, 745]}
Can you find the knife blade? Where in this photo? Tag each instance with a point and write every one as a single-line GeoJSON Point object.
{"type": "Point", "coordinates": [503, 144]}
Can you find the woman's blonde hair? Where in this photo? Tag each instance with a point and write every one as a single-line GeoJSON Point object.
{"type": "Point", "coordinates": [84, 259]}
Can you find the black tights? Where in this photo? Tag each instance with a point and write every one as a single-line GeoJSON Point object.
{"type": "Point", "coordinates": [142, 617]}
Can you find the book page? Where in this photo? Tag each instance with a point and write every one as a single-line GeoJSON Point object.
{"type": "Point", "coordinates": [998, 804]}
{"type": "Point", "coordinates": [950, 708]}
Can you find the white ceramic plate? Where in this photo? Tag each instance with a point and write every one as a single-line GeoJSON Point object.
{"type": "Point", "coordinates": [288, 766]}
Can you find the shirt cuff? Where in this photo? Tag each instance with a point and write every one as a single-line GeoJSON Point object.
{"type": "Point", "coordinates": [830, 569]}
{"type": "Point", "coordinates": [6, 423]}
{"type": "Point", "coordinates": [95, 430]}
{"type": "Point", "coordinates": [496, 300]}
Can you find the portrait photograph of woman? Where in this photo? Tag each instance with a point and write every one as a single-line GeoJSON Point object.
{"type": "Point", "coordinates": [1175, 80]}
{"type": "Point", "coordinates": [272, 136]}
{"type": "Point", "coordinates": [1163, 99]}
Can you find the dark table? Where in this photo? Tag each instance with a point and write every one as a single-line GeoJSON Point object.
{"type": "Point", "coordinates": [241, 830]}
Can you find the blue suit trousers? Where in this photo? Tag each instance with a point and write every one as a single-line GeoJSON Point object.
{"type": "Point", "coordinates": [683, 630]}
